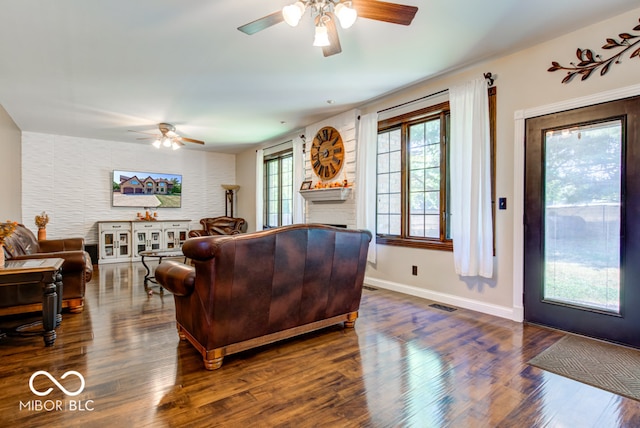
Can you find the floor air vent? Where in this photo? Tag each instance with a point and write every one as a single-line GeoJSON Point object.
{"type": "Point", "coordinates": [443, 307]}
{"type": "Point", "coordinates": [366, 287]}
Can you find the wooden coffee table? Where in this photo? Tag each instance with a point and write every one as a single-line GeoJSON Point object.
{"type": "Point", "coordinates": [37, 272]}
{"type": "Point", "coordinates": [157, 255]}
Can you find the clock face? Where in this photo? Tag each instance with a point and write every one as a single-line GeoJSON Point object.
{"type": "Point", "coordinates": [327, 153]}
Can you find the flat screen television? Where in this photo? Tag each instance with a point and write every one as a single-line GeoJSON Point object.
{"type": "Point", "coordinates": [146, 189]}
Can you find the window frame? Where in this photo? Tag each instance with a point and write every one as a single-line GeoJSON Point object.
{"type": "Point", "coordinates": [403, 122]}
{"type": "Point", "coordinates": [279, 157]}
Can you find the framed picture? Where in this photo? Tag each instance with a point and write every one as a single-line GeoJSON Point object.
{"type": "Point", "coordinates": [306, 185]}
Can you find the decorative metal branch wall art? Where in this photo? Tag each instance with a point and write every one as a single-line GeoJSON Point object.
{"type": "Point", "coordinates": [590, 61]}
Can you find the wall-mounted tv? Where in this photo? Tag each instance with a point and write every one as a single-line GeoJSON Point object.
{"type": "Point", "coordinates": [146, 189]}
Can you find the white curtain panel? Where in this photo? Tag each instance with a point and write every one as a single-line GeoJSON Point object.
{"type": "Point", "coordinates": [366, 178]}
{"type": "Point", "coordinates": [298, 178]}
{"type": "Point", "coordinates": [471, 227]}
{"type": "Point", "coordinates": [259, 189]}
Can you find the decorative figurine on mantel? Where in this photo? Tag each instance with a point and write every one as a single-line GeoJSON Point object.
{"type": "Point", "coordinates": [41, 222]}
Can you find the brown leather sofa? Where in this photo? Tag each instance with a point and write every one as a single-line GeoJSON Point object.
{"type": "Point", "coordinates": [212, 226]}
{"type": "Point", "coordinates": [76, 271]}
{"type": "Point", "coordinates": [251, 289]}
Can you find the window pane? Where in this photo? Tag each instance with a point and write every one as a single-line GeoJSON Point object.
{"type": "Point", "coordinates": [583, 215]}
{"type": "Point", "coordinates": [383, 224]}
{"type": "Point", "coordinates": [416, 180]}
{"type": "Point", "coordinates": [395, 182]}
{"type": "Point", "coordinates": [432, 156]}
{"type": "Point", "coordinates": [416, 203]}
{"type": "Point", "coordinates": [394, 224]}
{"type": "Point", "coordinates": [433, 132]}
{"type": "Point", "coordinates": [383, 142]}
{"type": "Point", "coordinates": [417, 226]}
{"type": "Point", "coordinates": [416, 135]}
{"type": "Point", "coordinates": [395, 204]}
{"type": "Point", "coordinates": [395, 161]}
{"type": "Point", "coordinates": [383, 163]}
{"type": "Point", "coordinates": [416, 157]}
{"type": "Point", "coordinates": [383, 204]}
{"type": "Point", "coordinates": [432, 226]}
{"type": "Point", "coordinates": [432, 179]}
{"type": "Point", "coordinates": [432, 202]}
{"type": "Point", "coordinates": [383, 183]}
{"type": "Point", "coordinates": [395, 140]}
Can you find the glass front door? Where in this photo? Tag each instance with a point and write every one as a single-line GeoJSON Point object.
{"type": "Point", "coordinates": [582, 234]}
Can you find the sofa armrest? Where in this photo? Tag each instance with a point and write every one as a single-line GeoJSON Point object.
{"type": "Point", "coordinates": [69, 244]}
{"type": "Point", "coordinates": [74, 261]}
{"type": "Point", "coordinates": [176, 277]}
{"type": "Point", "coordinates": [197, 232]}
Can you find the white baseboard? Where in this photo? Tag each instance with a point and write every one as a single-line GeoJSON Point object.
{"type": "Point", "coordinates": [461, 302]}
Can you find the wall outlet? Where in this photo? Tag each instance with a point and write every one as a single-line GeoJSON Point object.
{"type": "Point", "coordinates": [414, 270]}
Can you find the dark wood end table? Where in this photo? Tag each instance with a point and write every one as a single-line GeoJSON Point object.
{"type": "Point", "coordinates": [44, 272]}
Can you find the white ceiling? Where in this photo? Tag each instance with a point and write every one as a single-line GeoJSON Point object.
{"type": "Point", "coordinates": [97, 69]}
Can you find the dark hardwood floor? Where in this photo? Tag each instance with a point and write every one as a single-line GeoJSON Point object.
{"type": "Point", "coordinates": [405, 364]}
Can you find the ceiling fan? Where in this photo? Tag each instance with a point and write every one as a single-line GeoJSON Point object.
{"type": "Point", "coordinates": [325, 13]}
{"type": "Point", "coordinates": [168, 137]}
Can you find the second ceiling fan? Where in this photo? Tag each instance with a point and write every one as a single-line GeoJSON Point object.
{"type": "Point", "coordinates": [325, 13]}
{"type": "Point", "coordinates": [168, 137]}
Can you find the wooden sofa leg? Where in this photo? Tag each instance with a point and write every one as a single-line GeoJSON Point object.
{"type": "Point", "coordinates": [181, 334]}
{"type": "Point", "coordinates": [351, 320]}
{"type": "Point", "coordinates": [213, 364]}
{"type": "Point", "coordinates": [76, 306]}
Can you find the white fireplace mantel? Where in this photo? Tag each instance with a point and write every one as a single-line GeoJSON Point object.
{"type": "Point", "coordinates": [335, 194]}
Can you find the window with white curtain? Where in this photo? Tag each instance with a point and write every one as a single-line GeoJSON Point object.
{"type": "Point", "coordinates": [278, 189]}
{"type": "Point", "coordinates": [412, 202]}
{"type": "Point", "coordinates": [412, 177]}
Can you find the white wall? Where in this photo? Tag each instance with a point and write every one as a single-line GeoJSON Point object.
{"type": "Point", "coordinates": [10, 153]}
{"type": "Point", "coordinates": [246, 196]}
{"type": "Point", "coordinates": [70, 178]}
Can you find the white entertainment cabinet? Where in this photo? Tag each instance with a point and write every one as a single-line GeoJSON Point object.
{"type": "Point", "coordinates": [122, 240]}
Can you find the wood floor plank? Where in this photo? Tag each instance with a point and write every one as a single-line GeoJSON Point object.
{"type": "Point", "coordinates": [404, 364]}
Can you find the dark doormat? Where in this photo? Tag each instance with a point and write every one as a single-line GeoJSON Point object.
{"type": "Point", "coordinates": [604, 365]}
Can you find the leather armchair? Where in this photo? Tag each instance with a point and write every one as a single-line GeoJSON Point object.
{"type": "Point", "coordinates": [213, 226]}
{"type": "Point", "coordinates": [77, 270]}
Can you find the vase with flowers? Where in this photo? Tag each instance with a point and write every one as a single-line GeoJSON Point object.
{"type": "Point", "coordinates": [6, 229]}
{"type": "Point", "coordinates": [41, 222]}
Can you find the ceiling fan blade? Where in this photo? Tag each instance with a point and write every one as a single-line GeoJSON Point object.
{"type": "Point", "coordinates": [262, 23]}
{"type": "Point", "coordinates": [191, 140]}
{"type": "Point", "coordinates": [384, 11]}
{"type": "Point", "coordinates": [334, 40]}
{"type": "Point", "coordinates": [140, 132]}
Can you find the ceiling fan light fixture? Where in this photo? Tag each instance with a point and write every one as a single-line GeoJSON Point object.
{"type": "Point", "coordinates": [157, 143]}
{"type": "Point", "coordinates": [293, 13]}
{"type": "Point", "coordinates": [175, 146]}
{"type": "Point", "coordinates": [346, 14]}
{"type": "Point", "coordinates": [322, 36]}
{"type": "Point", "coordinates": [166, 141]}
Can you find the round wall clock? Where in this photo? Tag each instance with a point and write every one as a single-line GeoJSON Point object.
{"type": "Point", "coordinates": [327, 153]}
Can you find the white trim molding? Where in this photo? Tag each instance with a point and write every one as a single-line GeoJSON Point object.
{"type": "Point", "coordinates": [520, 117]}
{"type": "Point", "coordinates": [461, 302]}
